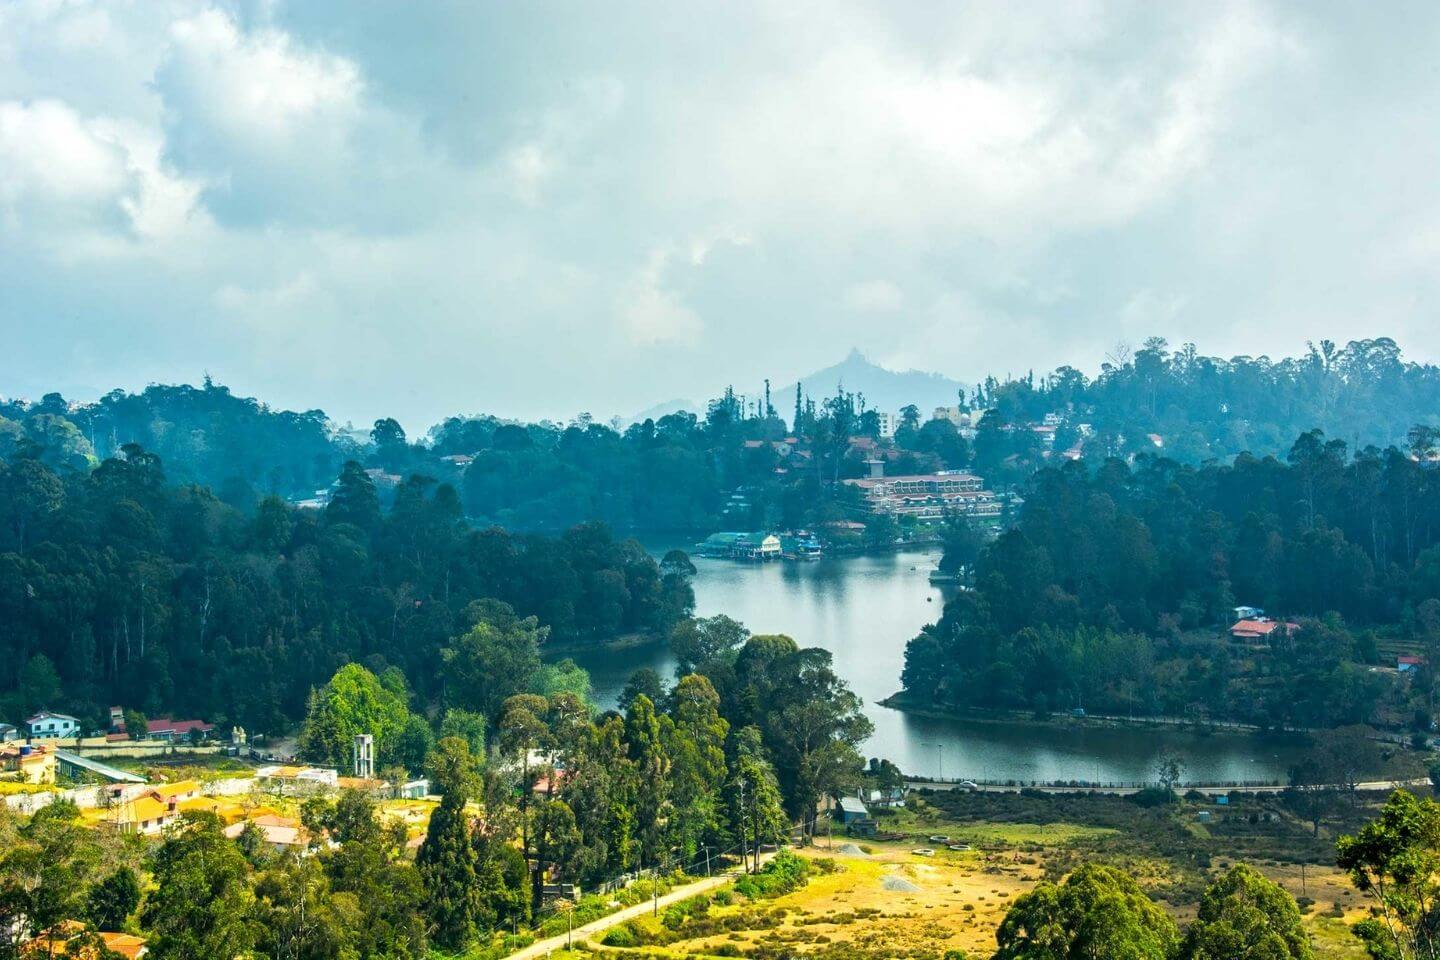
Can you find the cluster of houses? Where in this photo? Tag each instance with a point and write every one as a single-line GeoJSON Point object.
{"type": "Point", "coordinates": [762, 546]}
{"type": "Point", "coordinates": [259, 805]}
{"type": "Point", "coordinates": [159, 728]}
{"type": "Point", "coordinates": [47, 725]}
{"type": "Point", "coordinates": [1253, 626]}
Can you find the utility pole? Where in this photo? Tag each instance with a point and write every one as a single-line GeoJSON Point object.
{"type": "Point", "coordinates": [745, 867]}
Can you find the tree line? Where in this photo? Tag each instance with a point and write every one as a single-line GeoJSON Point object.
{"type": "Point", "coordinates": [117, 586]}
{"type": "Point", "coordinates": [678, 472]}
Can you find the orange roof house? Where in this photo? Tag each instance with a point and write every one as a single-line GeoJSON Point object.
{"type": "Point", "coordinates": [57, 942]}
{"type": "Point", "coordinates": [1261, 628]}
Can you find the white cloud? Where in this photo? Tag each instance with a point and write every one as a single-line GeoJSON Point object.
{"type": "Point", "coordinates": [1057, 137]}
{"type": "Point", "coordinates": [285, 132]}
{"type": "Point", "coordinates": [408, 199]}
{"type": "Point", "coordinates": [254, 94]}
{"type": "Point", "coordinates": [874, 296]}
{"type": "Point", "coordinates": [551, 139]}
{"type": "Point", "coordinates": [651, 314]}
{"type": "Point", "coordinates": [83, 184]}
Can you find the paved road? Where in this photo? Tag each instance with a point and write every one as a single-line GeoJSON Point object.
{"type": "Point", "coordinates": [1182, 788]}
{"type": "Point", "coordinates": [542, 948]}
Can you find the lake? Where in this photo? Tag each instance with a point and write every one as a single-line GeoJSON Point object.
{"type": "Point", "coordinates": [863, 610]}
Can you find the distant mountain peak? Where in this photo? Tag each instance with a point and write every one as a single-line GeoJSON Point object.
{"type": "Point", "coordinates": [882, 388]}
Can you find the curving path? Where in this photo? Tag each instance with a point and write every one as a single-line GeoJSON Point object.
{"type": "Point", "coordinates": [543, 948]}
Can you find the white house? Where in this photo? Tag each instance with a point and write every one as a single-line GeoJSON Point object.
{"type": "Point", "coordinates": [51, 726]}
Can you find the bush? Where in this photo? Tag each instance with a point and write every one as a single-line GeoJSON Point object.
{"type": "Point", "coordinates": [784, 873]}
{"type": "Point", "coordinates": [678, 914]}
{"type": "Point", "coordinates": [621, 936]}
{"type": "Point", "coordinates": [1152, 797]}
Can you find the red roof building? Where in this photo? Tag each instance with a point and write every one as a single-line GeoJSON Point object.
{"type": "Point", "coordinates": [1260, 629]}
{"type": "Point", "coordinates": [163, 728]}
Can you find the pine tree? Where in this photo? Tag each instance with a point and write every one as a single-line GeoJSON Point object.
{"type": "Point", "coordinates": [697, 746]}
{"type": "Point", "coordinates": [652, 766]}
{"type": "Point", "coordinates": [447, 859]}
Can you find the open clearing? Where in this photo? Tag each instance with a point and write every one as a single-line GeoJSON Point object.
{"type": "Point", "coordinates": [881, 900]}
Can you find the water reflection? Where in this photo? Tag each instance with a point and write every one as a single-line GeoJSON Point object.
{"type": "Point", "coordinates": [863, 610]}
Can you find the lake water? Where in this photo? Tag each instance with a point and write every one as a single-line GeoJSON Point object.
{"type": "Point", "coordinates": [863, 610]}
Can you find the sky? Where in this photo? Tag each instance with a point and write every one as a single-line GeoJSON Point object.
{"type": "Point", "coordinates": [536, 209]}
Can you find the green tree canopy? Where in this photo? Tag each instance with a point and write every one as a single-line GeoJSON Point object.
{"type": "Point", "coordinates": [1097, 912]}
{"type": "Point", "coordinates": [1395, 860]}
{"type": "Point", "coordinates": [1244, 916]}
{"type": "Point", "coordinates": [353, 702]}
{"type": "Point", "coordinates": [497, 658]}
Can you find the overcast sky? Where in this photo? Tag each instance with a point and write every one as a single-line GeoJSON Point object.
{"type": "Point", "coordinates": [539, 208]}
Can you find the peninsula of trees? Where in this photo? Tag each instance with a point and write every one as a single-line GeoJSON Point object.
{"type": "Point", "coordinates": [1115, 591]}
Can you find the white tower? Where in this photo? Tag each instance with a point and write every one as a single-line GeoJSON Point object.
{"type": "Point", "coordinates": [362, 753]}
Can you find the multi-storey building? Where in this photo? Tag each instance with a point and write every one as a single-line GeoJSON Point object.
{"type": "Point", "coordinates": [927, 496]}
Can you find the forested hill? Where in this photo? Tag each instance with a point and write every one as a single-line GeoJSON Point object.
{"type": "Point", "coordinates": [1115, 591]}
{"type": "Point", "coordinates": [1211, 408]}
{"type": "Point", "coordinates": [117, 586]}
{"type": "Point", "coordinates": [678, 472]}
{"type": "Point", "coordinates": [206, 435]}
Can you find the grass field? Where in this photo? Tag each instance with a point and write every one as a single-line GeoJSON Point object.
{"type": "Point", "coordinates": [876, 900]}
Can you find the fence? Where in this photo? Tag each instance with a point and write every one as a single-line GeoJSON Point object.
{"type": "Point", "coordinates": [1097, 784]}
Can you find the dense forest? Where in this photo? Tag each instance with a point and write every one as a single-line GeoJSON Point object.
{"type": "Point", "coordinates": [678, 472]}
{"type": "Point", "coordinates": [1115, 590]}
{"type": "Point", "coordinates": [119, 587]}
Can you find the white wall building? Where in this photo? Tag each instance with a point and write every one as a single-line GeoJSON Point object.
{"type": "Point", "coordinates": [51, 726]}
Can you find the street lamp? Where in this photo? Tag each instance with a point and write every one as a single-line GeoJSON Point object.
{"type": "Point", "coordinates": [940, 752]}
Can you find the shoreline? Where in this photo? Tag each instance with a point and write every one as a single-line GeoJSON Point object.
{"type": "Point", "coordinates": [900, 702]}
{"type": "Point", "coordinates": [627, 641]}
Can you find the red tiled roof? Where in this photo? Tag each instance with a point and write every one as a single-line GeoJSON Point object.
{"type": "Point", "coordinates": [166, 725]}
{"type": "Point", "coordinates": [1260, 628]}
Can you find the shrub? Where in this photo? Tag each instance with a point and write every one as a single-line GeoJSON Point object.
{"type": "Point", "coordinates": [1152, 797]}
{"type": "Point", "coordinates": [621, 936]}
{"type": "Point", "coordinates": [784, 873]}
